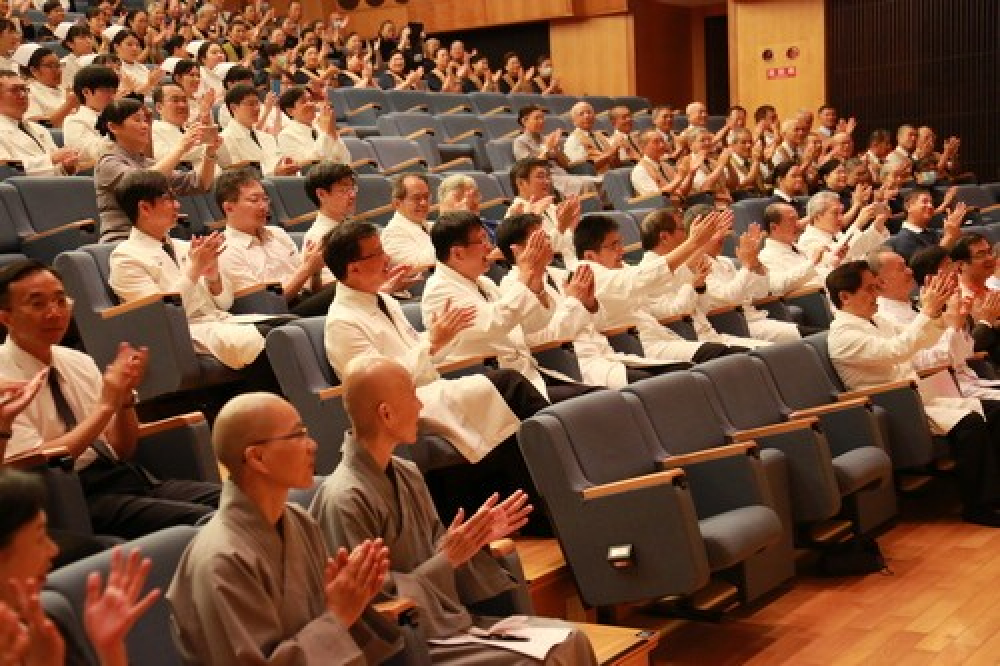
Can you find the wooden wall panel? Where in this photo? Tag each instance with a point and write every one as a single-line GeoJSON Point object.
{"type": "Point", "coordinates": [663, 64]}
{"type": "Point", "coordinates": [594, 56]}
{"type": "Point", "coordinates": [777, 24]}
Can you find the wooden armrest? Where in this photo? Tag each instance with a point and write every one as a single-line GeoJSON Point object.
{"type": "Point", "coordinates": [464, 135]}
{"type": "Point", "coordinates": [724, 309]}
{"type": "Point", "coordinates": [715, 453]}
{"type": "Point", "coordinates": [451, 366]}
{"type": "Point", "coordinates": [820, 410]}
{"type": "Point", "coordinates": [37, 457]}
{"type": "Point", "coordinates": [117, 310]}
{"type": "Point", "coordinates": [775, 429]}
{"type": "Point", "coordinates": [243, 164]}
{"type": "Point", "coordinates": [619, 330]}
{"type": "Point", "coordinates": [417, 107]}
{"type": "Point", "coordinates": [804, 291]}
{"type": "Point", "coordinates": [363, 108]}
{"type": "Point", "coordinates": [406, 164]}
{"type": "Point", "coordinates": [499, 109]}
{"type": "Point", "coordinates": [511, 134]}
{"type": "Point", "coordinates": [13, 164]}
{"type": "Point", "coordinates": [587, 195]}
{"type": "Point", "coordinates": [257, 288]}
{"type": "Point", "coordinates": [990, 209]}
{"type": "Point", "coordinates": [934, 369]}
{"type": "Point", "coordinates": [573, 165]}
{"type": "Point", "coordinates": [684, 316]}
{"type": "Point", "coordinates": [374, 212]}
{"type": "Point", "coordinates": [764, 300]}
{"type": "Point", "coordinates": [87, 225]}
{"type": "Point", "coordinates": [300, 219]}
{"type": "Point", "coordinates": [452, 163]}
{"type": "Point", "coordinates": [979, 356]}
{"type": "Point", "coordinates": [155, 427]}
{"type": "Point", "coordinates": [551, 344]}
{"type": "Point", "coordinates": [643, 198]}
{"type": "Point", "coordinates": [500, 201]}
{"type": "Point", "coordinates": [632, 247]}
{"type": "Point", "coordinates": [395, 609]}
{"type": "Point", "coordinates": [423, 131]}
{"type": "Point", "coordinates": [875, 390]}
{"type": "Point", "coordinates": [357, 164]}
{"type": "Point", "coordinates": [85, 165]}
{"type": "Point", "coordinates": [502, 547]}
{"type": "Point", "coordinates": [331, 392]}
{"type": "Point", "coordinates": [635, 483]}
{"type": "Point", "coordinates": [461, 108]}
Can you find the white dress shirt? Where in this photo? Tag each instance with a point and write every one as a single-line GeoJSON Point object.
{"type": "Point", "coordinates": [468, 411]}
{"type": "Point", "coordinates": [320, 227]}
{"type": "Point", "coordinates": [80, 132]}
{"type": "Point", "coordinates": [140, 267]}
{"type": "Point", "coordinates": [299, 142]}
{"type": "Point", "coordinates": [788, 269]}
{"type": "Point", "coordinates": [728, 285]}
{"type": "Point", "coordinates": [238, 145]}
{"type": "Point", "coordinates": [166, 136]}
{"type": "Point", "coordinates": [250, 260]}
{"type": "Point", "coordinates": [647, 178]}
{"type": "Point", "coordinates": [868, 354]}
{"type": "Point", "coordinates": [562, 241]}
{"type": "Point", "coordinates": [503, 318]}
{"type": "Point", "coordinates": [33, 153]}
{"type": "Point", "coordinates": [43, 100]}
{"type": "Point", "coordinates": [408, 242]}
{"type": "Point", "coordinates": [580, 144]}
{"type": "Point", "coordinates": [859, 244]}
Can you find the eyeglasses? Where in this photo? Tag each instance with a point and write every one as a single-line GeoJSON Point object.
{"type": "Point", "coordinates": [41, 305]}
{"type": "Point", "coordinates": [50, 65]}
{"type": "Point", "coordinates": [301, 432]}
{"type": "Point", "coordinates": [373, 255]}
{"type": "Point", "coordinates": [613, 245]}
{"type": "Point", "coordinates": [346, 189]}
{"type": "Point", "coordinates": [256, 200]}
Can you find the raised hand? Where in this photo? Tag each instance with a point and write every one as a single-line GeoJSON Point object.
{"type": "Point", "coordinates": [203, 255]}
{"type": "Point", "coordinates": [448, 323]}
{"type": "Point", "coordinates": [465, 538]}
{"type": "Point", "coordinates": [568, 213]}
{"type": "Point", "coordinates": [937, 290]}
{"type": "Point", "coordinates": [581, 287]}
{"type": "Point", "coordinates": [109, 614]}
{"type": "Point", "coordinates": [511, 514]}
{"type": "Point", "coordinates": [46, 647]}
{"type": "Point", "coordinates": [352, 580]}
{"type": "Point", "coordinates": [15, 396]}
{"type": "Point", "coordinates": [14, 638]}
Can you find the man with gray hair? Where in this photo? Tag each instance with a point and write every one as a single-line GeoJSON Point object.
{"type": "Point", "coordinates": [826, 228]}
{"type": "Point", "coordinates": [406, 238]}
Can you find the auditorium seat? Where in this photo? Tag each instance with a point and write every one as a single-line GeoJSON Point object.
{"type": "Point", "coordinates": [407, 101]}
{"type": "Point", "coordinates": [446, 104]}
{"type": "Point", "coordinates": [59, 213]}
{"type": "Point", "coordinates": [501, 154]}
{"type": "Point", "coordinates": [500, 126]}
{"type": "Point", "coordinates": [628, 529]}
{"type": "Point", "coordinates": [617, 186]}
{"type": "Point", "coordinates": [363, 158]}
{"type": "Point", "coordinates": [374, 199]}
{"type": "Point", "coordinates": [487, 103]}
{"type": "Point", "coordinates": [429, 134]}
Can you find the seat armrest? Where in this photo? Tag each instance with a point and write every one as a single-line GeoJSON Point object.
{"type": "Point", "coordinates": [875, 390]}
{"type": "Point", "coordinates": [461, 364]}
{"type": "Point", "coordinates": [406, 164]}
{"type": "Point", "coordinates": [56, 456]}
{"type": "Point", "coordinates": [164, 425]}
{"type": "Point", "coordinates": [499, 109]}
{"type": "Point", "coordinates": [620, 330]}
{"type": "Point", "coordinates": [684, 316]}
{"type": "Point", "coordinates": [725, 309]}
{"type": "Point", "coordinates": [552, 344]}
{"type": "Point", "coordinates": [452, 164]}
{"type": "Point", "coordinates": [373, 212]}
{"type": "Point", "coordinates": [666, 477]}
{"type": "Point", "coordinates": [804, 291]}
{"type": "Point", "coordinates": [775, 429]}
{"type": "Point", "coordinates": [86, 225]}
{"type": "Point", "coordinates": [502, 547]}
{"type": "Point", "coordinates": [273, 287]}
{"type": "Point", "coordinates": [395, 610]}
{"type": "Point", "coordinates": [820, 410]}
{"type": "Point", "coordinates": [748, 447]}
{"type": "Point", "coordinates": [764, 300]}
{"type": "Point", "coordinates": [244, 164]}
{"type": "Point", "coordinates": [170, 297]}
{"type": "Point", "coordinates": [499, 201]}
{"type": "Point", "coordinates": [513, 134]}
{"type": "Point", "coordinates": [300, 219]}
{"type": "Point", "coordinates": [264, 298]}
{"type": "Point", "coordinates": [423, 131]}
{"type": "Point", "coordinates": [370, 106]}
{"type": "Point", "coordinates": [365, 161]}
{"type": "Point", "coordinates": [934, 369]}
{"type": "Point", "coordinates": [458, 138]}
{"type": "Point", "coordinates": [331, 393]}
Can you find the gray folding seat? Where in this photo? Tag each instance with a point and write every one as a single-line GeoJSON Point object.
{"type": "Point", "coordinates": [294, 201]}
{"type": "Point", "coordinates": [617, 186]}
{"type": "Point", "coordinates": [362, 106]}
{"type": "Point", "coordinates": [628, 529]}
{"type": "Point", "coordinates": [59, 213]}
{"type": "Point", "coordinates": [485, 103]}
{"type": "Point", "coordinates": [374, 199]}
{"type": "Point", "coordinates": [363, 158]}
{"type": "Point", "coordinates": [402, 101]}
{"type": "Point", "coordinates": [500, 126]}
{"type": "Point", "coordinates": [398, 154]}
{"type": "Point", "coordinates": [738, 490]}
{"type": "Point", "coordinates": [427, 131]}
{"type": "Point", "coordinates": [501, 154]}
{"type": "Point", "coordinates": [446, 104]}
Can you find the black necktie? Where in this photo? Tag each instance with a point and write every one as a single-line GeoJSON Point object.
{"type": "Point", "coordinates": [663, 172]}
{"type": "Point", "coordinates": [632, 143]}
{"type": "Point", "coordinates": [63, 409]}
{"type": "Point", "coordinates": [169, 249]}
{"type": "Point", "coordinates": [383, 307]}
{"type": "Point", "coordinates": [485, 294]}
{"type": "Point", "coordinates": [796, 250]}
{"type": "Point", "coordinates": [593, 137]}
{"type": "Point", "coordinates": [24, 128]}
{"type": "Point", "coordinates": [315, 134]}
{"type": "Point", "coordinates": [253, 135]}
{"type": "Point", "coordinates": [551, 281]}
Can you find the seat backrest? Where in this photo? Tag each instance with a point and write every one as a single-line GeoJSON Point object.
{"type": "Point", "coordinates": [682, 410]}
{"type": "Point", "coordinates": [407, 100]}
{"type": "Point", "coordinates": [150, 640]}
{"type": "Point", "coordinates": [559, 104]}
{"type": "Point", "coordinates": [798, 374]}
{"type": "Point", "coordinates": [972, 195]}
{"type": "Point", "coordinates": [393, 150]}
{"type": "Point", "coordinates": [819, 344]}
{"type": "Point", "coordinates": [292, 194]}
{"type": "Point", "coordinates": [680, 122]}
{"type": "Point", "coordinates": [52, 202]}
{"type": "Point", "coordinates": [501, 154]}
{"type": "Point", "coordinates": [747, 212]}
{"type": "Point", "coordinates": [601, 103]}
{"type": "Point", "coordinates": [454, 124]}
{"type": "Point", "coordinates": [414, 315]}
{"type": "Point", "coordinates": [374, 191]}
{"type": "Point", "coordinates": [355, 98]}
{"type": "Point", "coordinates": [10, 239]}
{"type": "Point", "coordinates": [617, 185]}
{"type": "Point", "coordinates": [485, 102]}
{"type": "Point", "coordinates": [500, 125]}
{"type": "Point", "coordinates": [730, 377]}
{"type": "Point", "coordinates": [448, 104]}
{"type": "Point", "coordinates": [633, 103]}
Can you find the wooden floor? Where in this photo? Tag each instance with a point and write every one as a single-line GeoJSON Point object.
{"type": "Point", "coordinates": [941, 605]}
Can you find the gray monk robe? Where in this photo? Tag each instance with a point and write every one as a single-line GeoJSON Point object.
{"type": "Point", "coordinates": [361, 501]}
{"type": "Point", "coordinates": [247, 593]}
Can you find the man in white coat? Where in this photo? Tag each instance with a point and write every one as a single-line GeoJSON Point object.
{"type": "Point", "coordinates": [406, 238]}
{"type": "Point", "coordinates": [27, 142]}
{"type": "Point", "coordinates": [333, 188]}
{"type": "Point", "coordinates": [311, 135]}
{"type": "Point", "coordinates": [446, 571]}
{"type": "Point", "coordinates": [788, 267]}
{"type": "Point", "coordinates": [868, 350]}
{"type": "Point", "coordinates": [478, 414]}
{"type": "Point", "coordinates": [825, 230]}
{"type": "Point", "coordinates": [241, 143]}
{"type": "Point", "coordinates": [95, 86]}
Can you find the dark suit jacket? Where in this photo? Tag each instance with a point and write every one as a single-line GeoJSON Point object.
{"type": "Point", "coordinates": [906, 242]}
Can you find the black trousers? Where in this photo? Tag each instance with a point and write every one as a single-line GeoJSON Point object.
{"type": "Point", "coordinates": [709, 350]}
{"type": "Point", "coordinates": [974, 443]}
{"type": "Point", "coordinates": [633, 375]}
{"type": "Point", "coordinates": [124, 503]}
{"type": "Point", "coordinates": [314, 305]}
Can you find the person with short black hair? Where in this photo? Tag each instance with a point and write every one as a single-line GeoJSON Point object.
{"type": "Point", "coordinates": [332, 187]}
{"type": "Point", "coordinates": [406, 237]}
{"type": "Point", "coordinates": [27, 142]}
{"type": "Point", "coordinates": [312, 134]}
{"type": "Point", "coordinates": [49, 101]}
{"type": "Point", "coordinates": [868, 350]}
{"type": "Point", "coordinates": [916, 232]}
{"type": "Point", "coordinates": [243, 144]}
{"type": "Point", "coordinates": [95, 87]}
{"type": "Point", "coordinates": [169, 130]}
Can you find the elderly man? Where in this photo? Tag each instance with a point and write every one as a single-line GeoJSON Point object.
{"type": "Point", "coordinates": [586, 143]}
{"type": "Point", "coordinates": [788, 268]}
{"type": "Point", "coordinates": [169, 129]}
{"type": "Point", "coordinates": [256, 584]}
{"type": "Point", "coordinates": [825, 213]}
{"type": "Point", "coordinates": [868, 350]}
{"type": "Point", "coordinates": [531, 143]}
{"type": "Point", "coordinates": [915, 233]}
{"type": "Point", "coordinates": [793, 145]}
{"type": "Point", "coordinates": [532, 180]}
{"type": "Point", "coordinates": [406, 238]}
{"type": "Point", "coordinates": [27, 142]}
{"type": "Point", "coordinates": [622, 122]}
{"type": "Point", "coordinates": [654, 175]}
{"type": "Point", "coordinates": [906, 146]}
{"type": "Point", "coordinates": [375, 495]}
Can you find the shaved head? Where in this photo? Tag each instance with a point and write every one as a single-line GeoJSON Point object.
{"type": "Point", "coordinates": [244, 419]}
{"type": "Point", "coordinates": [374, 388]}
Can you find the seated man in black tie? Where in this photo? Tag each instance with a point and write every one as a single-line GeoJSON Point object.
{"type": "Point", "coordinates": [26, 142]}
{"type": "Point", "coordinates": [916, 234]}
{"type": "Point", "coordinates": [89, 414]}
